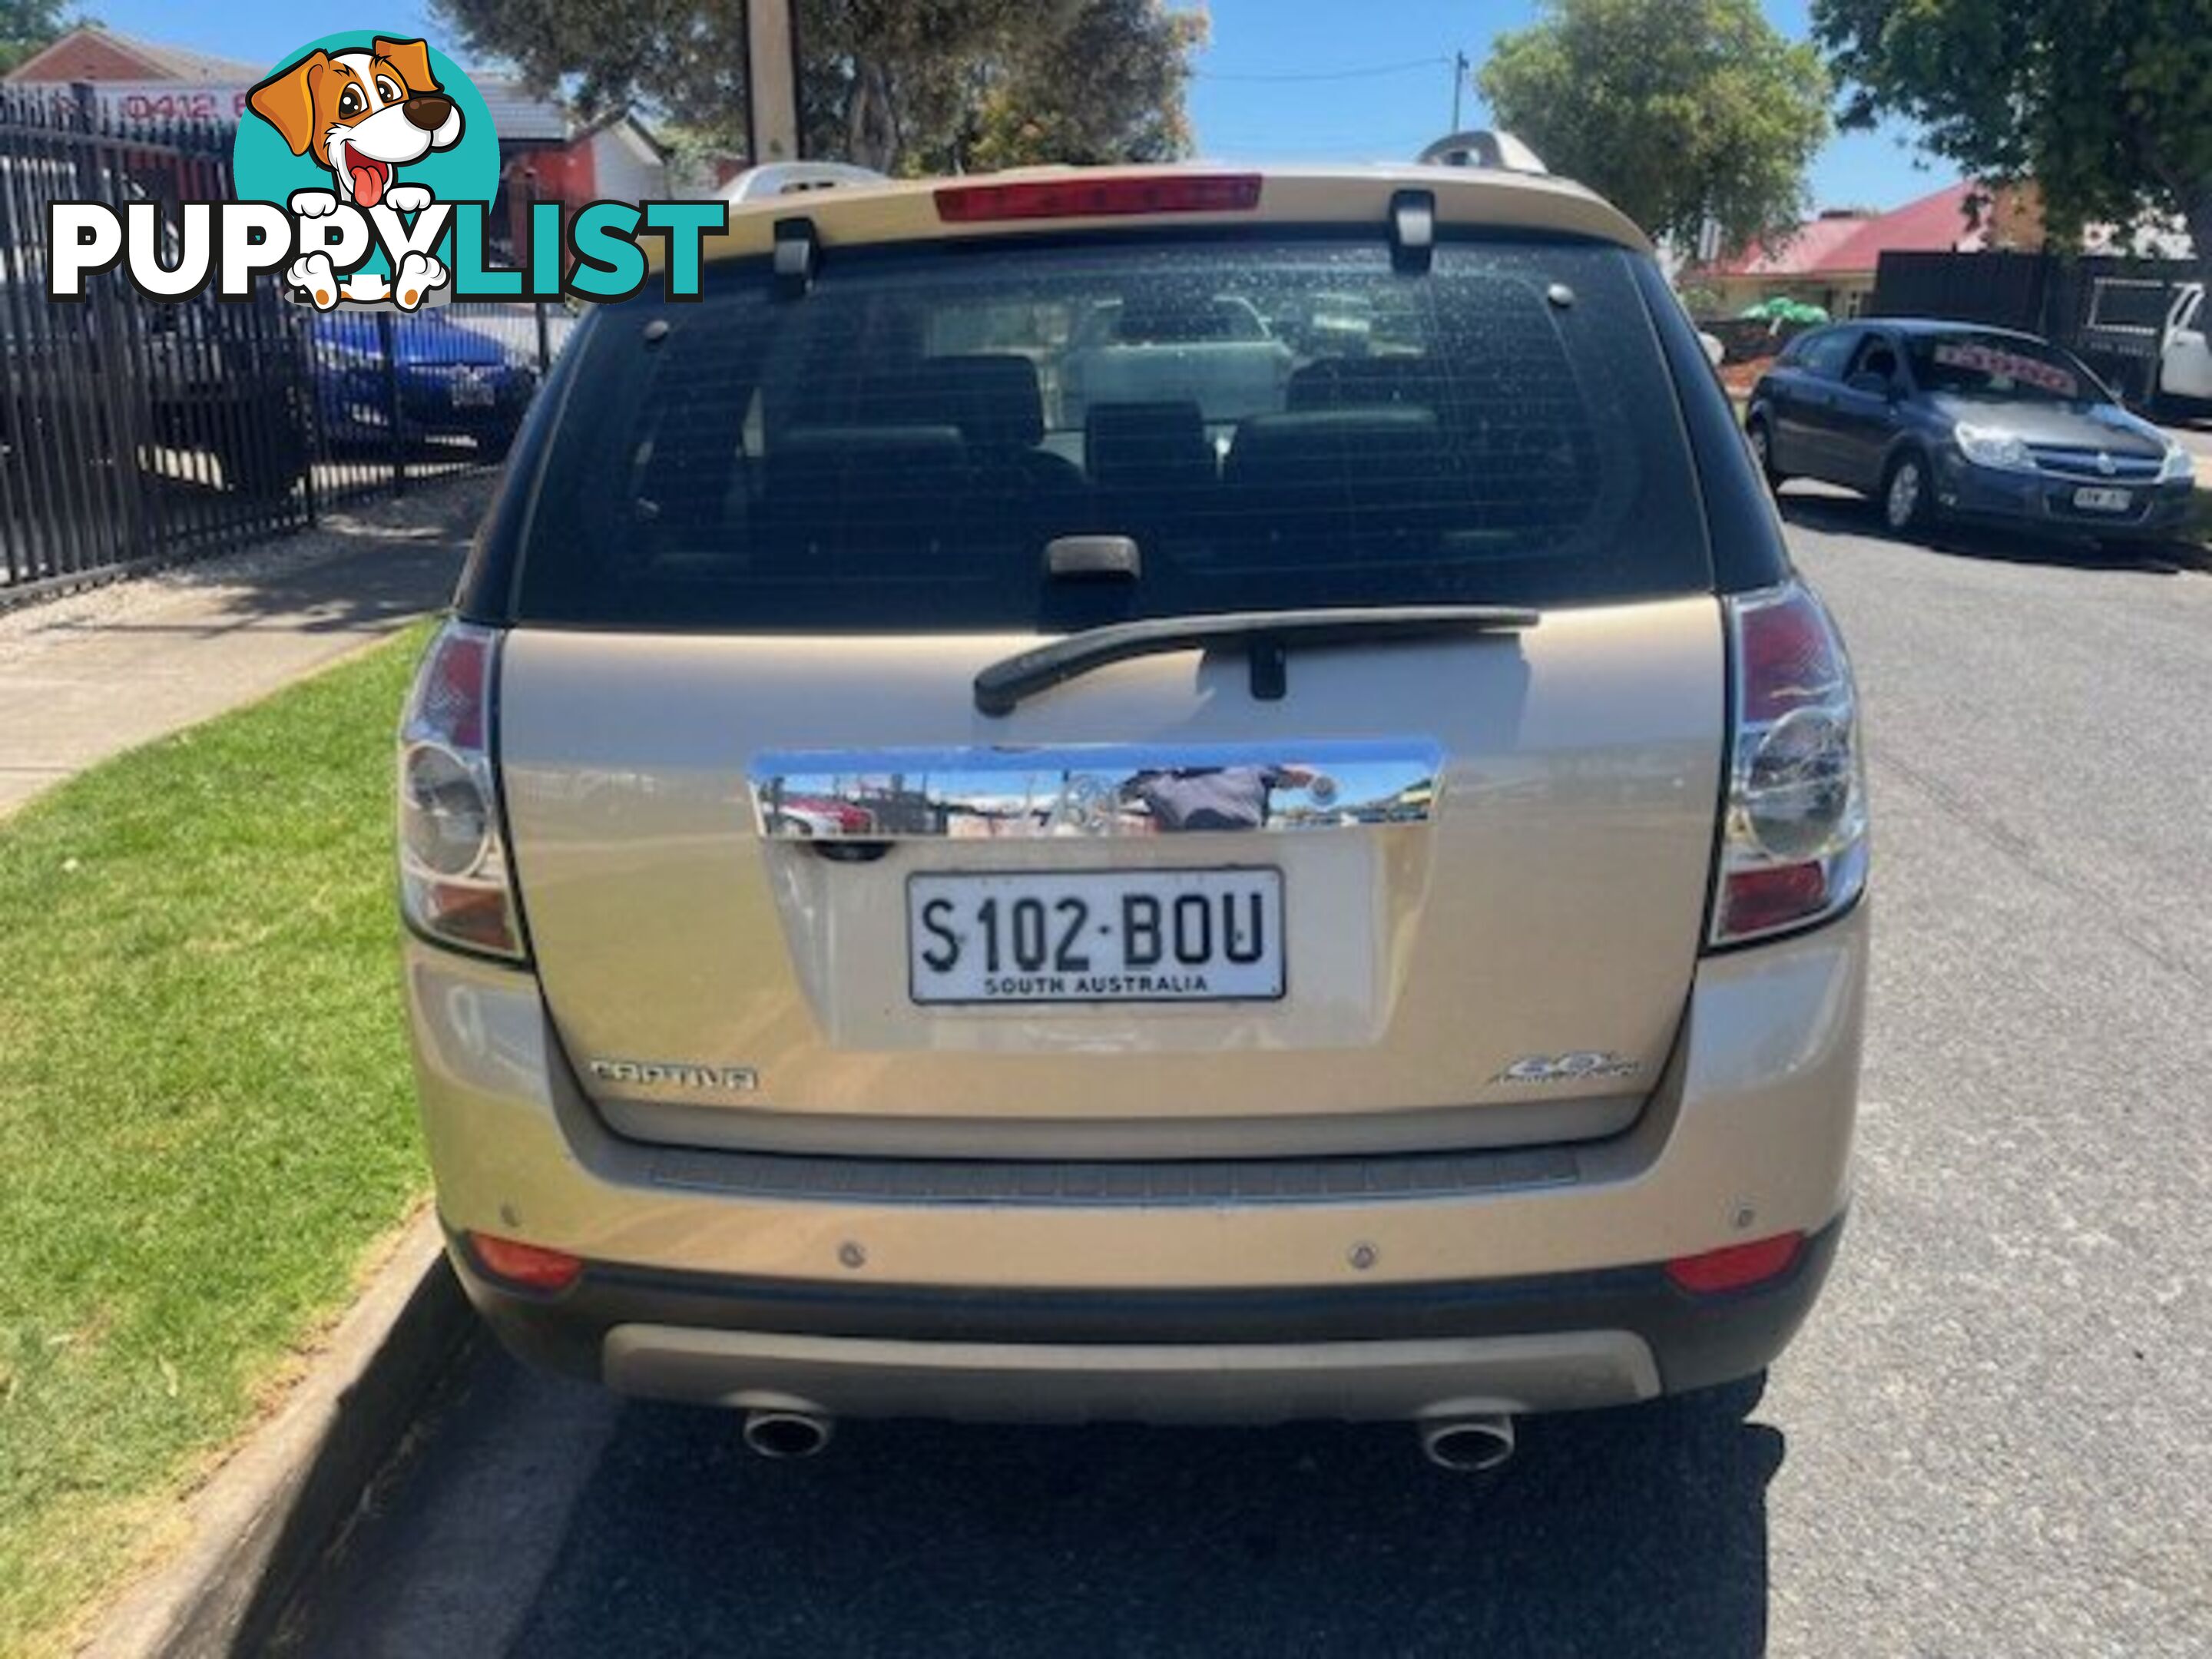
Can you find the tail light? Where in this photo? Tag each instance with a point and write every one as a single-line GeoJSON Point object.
{"type": "Point", "coordinates": [455, 886]}
{"type": "Point", "coordinates": [1793, 847]}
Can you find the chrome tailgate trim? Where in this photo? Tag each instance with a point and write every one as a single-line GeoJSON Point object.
{"type": "Point", "coordinates": [1097, 790]}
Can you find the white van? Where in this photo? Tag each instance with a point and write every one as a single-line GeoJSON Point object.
{"type": "Point", "coordinates": [2184, 357]}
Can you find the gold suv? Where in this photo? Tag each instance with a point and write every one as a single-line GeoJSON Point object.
{"type": "Point", "coordinates": [1161, 793]}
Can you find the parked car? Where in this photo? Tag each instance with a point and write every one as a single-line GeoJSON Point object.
{"type": "Point", "coordinates": [2185, 355]}
{"type": "Point", "coordinates": [453, 380]}
{"type": "Point", "coordinates": [1354, 909]}
{"type": "Point", "coordinates": [1942, 420]}
{"type": "Point", "coordinates": [1215, 348]}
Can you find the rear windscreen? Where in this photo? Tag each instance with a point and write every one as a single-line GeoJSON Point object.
{"type": "Point", "coordinates": [913, 445]}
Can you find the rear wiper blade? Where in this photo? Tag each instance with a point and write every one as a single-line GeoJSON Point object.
{"type": "Point", "coordinates": [1265, 635]}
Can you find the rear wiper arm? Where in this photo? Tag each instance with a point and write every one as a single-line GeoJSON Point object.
{"type": "Point", "coordinates": [1265, 635]}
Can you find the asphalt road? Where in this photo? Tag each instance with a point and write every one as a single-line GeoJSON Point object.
{"type": "Point", "coordinates": [1995, 1438]}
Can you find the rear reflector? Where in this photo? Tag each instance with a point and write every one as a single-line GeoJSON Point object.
{"type": "Point", "coordinates": [1736, 1266]}
{"type": "Point", "coordinates": [530, 1266]}
{"type": "Point", "coordinates": [1091, 198]}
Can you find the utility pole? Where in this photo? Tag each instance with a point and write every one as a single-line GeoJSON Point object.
{"type": "Point", "coordinates": [771, 82]}
{"type": "Point", "coordinates": [1460, 67]}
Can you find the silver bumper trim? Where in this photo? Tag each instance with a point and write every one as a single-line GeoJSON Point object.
{"type": "Point", "coordinates": [1240, 1382]}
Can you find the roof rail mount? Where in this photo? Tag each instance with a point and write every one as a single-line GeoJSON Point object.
{"type": "Point", "coordinates": [1478, 147]}
{"type": "Point", "coordinates": [798, 253]}
{"type": "Point", "coordinates": [776, 178]}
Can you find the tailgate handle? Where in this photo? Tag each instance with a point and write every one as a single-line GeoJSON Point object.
{"type": "Point", "coordinates": [1077, 558]}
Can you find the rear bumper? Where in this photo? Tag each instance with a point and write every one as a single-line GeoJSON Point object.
{"type": "Point", "coordinates": [1527, 1277]}
{"type": "Point", "coordinates": [1556, 1342]}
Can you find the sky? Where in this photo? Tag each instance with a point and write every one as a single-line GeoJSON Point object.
{"type": "Point", "coordinates": [1260, 92]}
{"type": "Point", "coordinates": [1391, 90]}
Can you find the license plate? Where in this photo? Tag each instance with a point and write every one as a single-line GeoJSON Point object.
{"type": "Point", "coordinates": [1118, 936]}
{"type": "Point", "coordinates": [471, 393]}
{"type": "Point", "coordinates": [2095, 499]}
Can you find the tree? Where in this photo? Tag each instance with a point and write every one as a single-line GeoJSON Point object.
{"type": "Point", "coordinates": [1676, 110]}
{"type": "Point", "coordinates": [26, 27]}
{"type": "Point", "coordinates": [887, 82]}
{"type": "Point", "coordinates": [1129, 58]}
{"type": "Point", "coordinates": [911, 85]}
{"type": "Point", "coordinates": [2106, 104]}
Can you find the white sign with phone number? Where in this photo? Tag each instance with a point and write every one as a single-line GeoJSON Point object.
{"type": "Point", "coordinates": [169, 101]}
{"type": "Point", "coordinates": [2000, 364]}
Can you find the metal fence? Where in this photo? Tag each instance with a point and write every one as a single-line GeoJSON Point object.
{"type": "Point", "coordinates": [136, 431]}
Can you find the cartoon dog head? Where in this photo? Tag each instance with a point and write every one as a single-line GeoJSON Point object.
{"type": "Point", "coordinates": [361, 114]}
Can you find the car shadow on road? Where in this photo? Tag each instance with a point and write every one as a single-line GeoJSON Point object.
{"type": "Point", "coordinates": [1837, 515]}
{"type": "Point", "coordinates": [1617, 1532]}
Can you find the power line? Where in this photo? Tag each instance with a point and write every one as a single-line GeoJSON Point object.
{"type": "Point", "coordinates": [1438, 61]}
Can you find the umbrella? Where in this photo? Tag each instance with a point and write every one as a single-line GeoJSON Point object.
{"type": "Point", "coordinates": [1782, 309]}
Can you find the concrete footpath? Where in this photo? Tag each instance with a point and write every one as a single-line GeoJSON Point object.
{"type": "Point", "coordinates": [91, 674]}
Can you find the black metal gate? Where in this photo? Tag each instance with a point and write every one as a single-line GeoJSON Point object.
{"type": "Point", "coordinates": [136, 431]}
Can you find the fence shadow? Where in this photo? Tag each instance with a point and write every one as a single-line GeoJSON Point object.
{"type": "Point", "coordinates": [1634, 1531]}
{"type": "Point", "coordinates": [361, 569]}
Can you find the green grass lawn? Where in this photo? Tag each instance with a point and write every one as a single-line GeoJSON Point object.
{"type": "Point", "coordinates": [205, 1113]}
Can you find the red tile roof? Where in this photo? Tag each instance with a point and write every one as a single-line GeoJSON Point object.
{"type": "Point", "coordinates": [90, 52]}
{"type": "Point", "coordinates": [1934, 224]}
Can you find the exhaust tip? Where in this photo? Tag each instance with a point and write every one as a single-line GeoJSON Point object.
{"type": "Point", "coordinates": [1467, 1445]}
{"type": "Point", "coordinates": [781, 1434]}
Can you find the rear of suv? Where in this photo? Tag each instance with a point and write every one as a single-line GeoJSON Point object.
{"type": "Point", "coordinates": [1316, 872]}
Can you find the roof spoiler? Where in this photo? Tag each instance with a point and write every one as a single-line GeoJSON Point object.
{"type": "Point", "coordinates": [1478, 147]}
{"type": "Point", "coordinates": [776, 178]}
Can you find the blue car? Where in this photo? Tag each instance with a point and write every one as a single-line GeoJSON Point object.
{"type": "Point", "coordinates": [1951, 421]}
{"type": "Point", "coordinates": [454, 379]}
